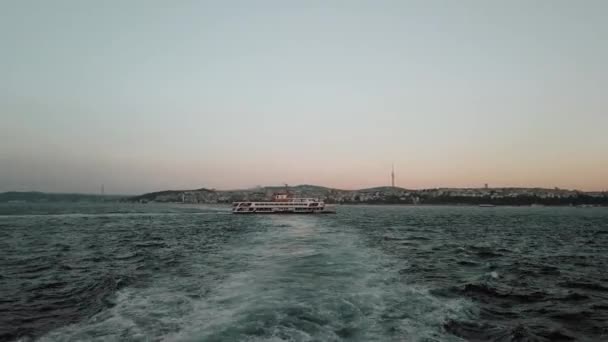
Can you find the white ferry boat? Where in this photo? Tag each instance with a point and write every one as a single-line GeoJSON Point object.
{"type": "Point", "coordinates": [284, 203]}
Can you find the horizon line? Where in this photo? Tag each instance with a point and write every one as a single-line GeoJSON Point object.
{"type": "Point", "coordinates": [306, 184]}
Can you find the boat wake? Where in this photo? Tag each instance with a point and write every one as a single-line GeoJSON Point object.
{"type": "Point", "coordinates": [284, 279]}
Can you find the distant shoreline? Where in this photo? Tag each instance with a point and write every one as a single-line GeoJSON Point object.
{"type": "Point", "coordinates": [411, 205]}
{"type": "Point", "coordinates": [390, 195]}
{"type": "Point", "coordinates": [371, 196]}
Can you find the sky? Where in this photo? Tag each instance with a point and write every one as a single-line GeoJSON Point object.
{"type": "Point", "coordinates": [152, 95]}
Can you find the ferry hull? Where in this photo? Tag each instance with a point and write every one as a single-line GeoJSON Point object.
{"type": "Point", "coordinates": [283, 204]}
{"type": "Point", "coordinates": [283, 212]}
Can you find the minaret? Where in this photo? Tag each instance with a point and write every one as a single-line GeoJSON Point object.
{"type": "Point", "coordinates": [393, 176]}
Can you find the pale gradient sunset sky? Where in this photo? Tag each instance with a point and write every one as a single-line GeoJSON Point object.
{"type": "Point", "coordinates": [153, 95]}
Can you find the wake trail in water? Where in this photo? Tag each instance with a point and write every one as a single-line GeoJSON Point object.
{"type": "Point", "coordinates": [281, 279]}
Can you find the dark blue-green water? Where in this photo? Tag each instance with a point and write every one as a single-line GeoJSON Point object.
{"type": "Point", "coordinates": [79, 272]}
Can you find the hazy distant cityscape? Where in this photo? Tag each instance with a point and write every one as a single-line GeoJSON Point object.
{"type": "Point", "coordinates": [388, 195]}
{"type": "Point", "coordinates": [375, 195]}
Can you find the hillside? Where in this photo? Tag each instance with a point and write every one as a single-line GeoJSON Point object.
{"type": "Point", "coordinates": [36, 196]}
{"type": "Point", "coordinates": [388, 195]}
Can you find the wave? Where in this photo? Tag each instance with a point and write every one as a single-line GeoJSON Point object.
{"type": "Point", "coordinates": [584, 285]}
{"type": "Point", "coordinates": [473, 331]}
{"type": "Point", "coordinates": [55, 303]}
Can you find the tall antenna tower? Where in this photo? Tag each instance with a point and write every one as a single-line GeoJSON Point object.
{"type": "Point", "coordinates": [393, 176]}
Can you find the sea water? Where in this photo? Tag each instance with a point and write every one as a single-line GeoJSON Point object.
{"type": "Point", "coordinates": [116, 271]}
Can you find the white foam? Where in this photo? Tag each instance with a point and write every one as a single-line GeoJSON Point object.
{"type": "Point", "coordinates": [289, 279]}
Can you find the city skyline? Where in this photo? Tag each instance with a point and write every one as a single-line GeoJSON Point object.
{"type": "Point", "coordinates": [145, 95]}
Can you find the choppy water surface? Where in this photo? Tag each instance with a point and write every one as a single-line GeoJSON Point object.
{"type": "Point", "coordinates": [141, 273]}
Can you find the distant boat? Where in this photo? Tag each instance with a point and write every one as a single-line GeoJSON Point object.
{"type": "Point", "coordinates": [487, 205]}
{"type": "Point", "coordinates": [283, 203]}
